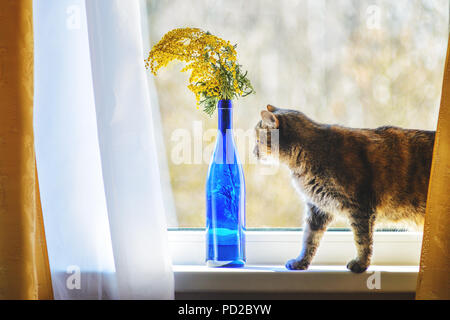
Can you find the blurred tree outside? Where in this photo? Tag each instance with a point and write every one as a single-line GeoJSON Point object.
{"type": "Point", "coordinates": [356, 63]}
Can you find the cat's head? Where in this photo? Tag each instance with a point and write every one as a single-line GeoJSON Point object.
{"type": "Point", "coordinates": [265, 130]}
{"type": "Point", "coordinates": [281, 130]}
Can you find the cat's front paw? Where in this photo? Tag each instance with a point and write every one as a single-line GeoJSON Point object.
{"type": "Point", "coordinates": [357, 266]}
{"type": "Point", "coordinates": [295, 264]}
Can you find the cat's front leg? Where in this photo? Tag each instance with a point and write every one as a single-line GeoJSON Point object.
{"type": "Point", "coordinates": [363, 236]}
{"type": "Point", "coordinates": [315, 225]}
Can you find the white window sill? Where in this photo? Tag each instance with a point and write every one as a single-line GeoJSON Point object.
{"type": "Point", "coordinates": [275, 282]}
{"type": "Point", "coordinates": [396, 257]}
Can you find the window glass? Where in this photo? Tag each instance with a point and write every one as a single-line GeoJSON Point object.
{"type": "Point", "coordinates": [355, 63]}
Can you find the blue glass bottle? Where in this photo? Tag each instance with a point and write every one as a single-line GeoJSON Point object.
{"type": "Point", "coordinates": [225, 197]}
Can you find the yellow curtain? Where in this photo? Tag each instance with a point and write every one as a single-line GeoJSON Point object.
{"type": "Point", "coordinates": [24, 269]}
{"type": "Point", "coordinates": [434, 275]}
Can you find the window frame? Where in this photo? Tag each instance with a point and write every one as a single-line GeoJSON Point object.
{"type": "Point", "coordinates": [276, 246]}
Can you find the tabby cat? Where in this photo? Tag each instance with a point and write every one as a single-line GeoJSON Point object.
{"type": "Point", "coordinates": [366, 175]}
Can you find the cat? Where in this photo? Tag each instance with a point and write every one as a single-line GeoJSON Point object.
{"type": "Point", "coordinates": [366, 175]}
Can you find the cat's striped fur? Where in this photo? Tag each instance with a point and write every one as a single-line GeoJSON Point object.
{"type": "Point", "coordinates": [367, 175]}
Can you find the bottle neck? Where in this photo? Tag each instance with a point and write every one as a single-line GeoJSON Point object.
{"type": "Point", "coordinates": [225, 114]}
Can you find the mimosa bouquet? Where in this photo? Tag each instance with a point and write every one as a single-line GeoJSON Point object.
{"type": "Point", "coordinates": [215, 73]}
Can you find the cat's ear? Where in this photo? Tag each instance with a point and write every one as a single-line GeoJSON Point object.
{"type": "Point", "coordinates": [271, 108]}
{"type": "Point", "coordinates": [269, 119]}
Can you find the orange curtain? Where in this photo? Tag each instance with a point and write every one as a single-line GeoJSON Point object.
{"type": "Point", "coordinates": [434, 275]}
{"type": "Point", "coordinates": [24, 269]}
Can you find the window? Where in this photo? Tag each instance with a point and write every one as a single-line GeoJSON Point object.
{"type": "Point", "coordinates": [356, 63]}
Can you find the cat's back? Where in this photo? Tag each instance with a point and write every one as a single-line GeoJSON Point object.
{"type": "Point", "coordinates": [387, 147]}
{"type": "Point", "coordinates": [400, 160]}
{"type": "Point", "coordinates": [404, 151]}
{"type": "Point", "coordinates": [384, 169]}
{"type": "Point", "coordinates": [414, 137]}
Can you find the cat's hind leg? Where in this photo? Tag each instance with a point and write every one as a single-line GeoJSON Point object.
{"type": "Point", "coordinates": [315, 225]}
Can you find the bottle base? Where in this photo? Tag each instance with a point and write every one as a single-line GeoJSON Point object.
{"type": "Point", "coordinates": [225, 264]}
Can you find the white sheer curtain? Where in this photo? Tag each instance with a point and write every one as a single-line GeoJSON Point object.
{"type": "Point", "coordinates": [96, 153]}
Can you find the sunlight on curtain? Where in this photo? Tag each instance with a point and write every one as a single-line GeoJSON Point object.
{"type": "Point", "coordinates": [128, 150]}
{"type": "Point", "coordinates": [24, 270]}
{"type": "Point", "coordinates": [105, 224]}
{"type": "Point", "coordinates": [434, 275]}
{"type": "Point", "coordinates": [168, 198]}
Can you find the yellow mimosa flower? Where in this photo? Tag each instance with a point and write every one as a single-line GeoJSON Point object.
{"type": "Point", "coordinates": [215, 73]}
